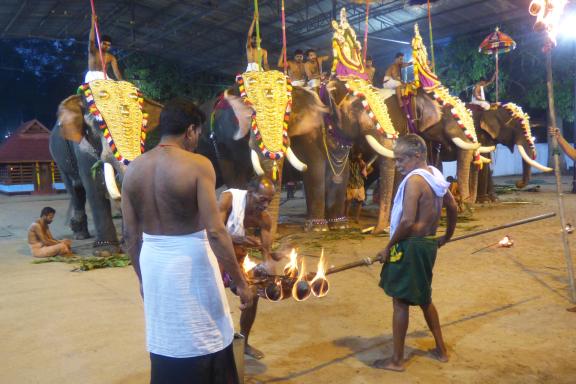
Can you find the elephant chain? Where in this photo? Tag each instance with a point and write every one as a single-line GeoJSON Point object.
{"type": "Point", "coordinates": [337, 165]}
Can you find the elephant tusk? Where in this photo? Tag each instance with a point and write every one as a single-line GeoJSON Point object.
{"type": "Point", "coordinates": [379, 148]}
{"type": "Point", "coordinates": [464, 145]}
{"type": "Point", "coordinates": [256, 163]}
{"type": "Point", "coordinates": [531, 162]}
{"type": "Point", "coordinates": [489, 149]}
{"type": "Point", "coordinates": [110, 179]}
{"type": "Point", "coordinates": [296, 163]}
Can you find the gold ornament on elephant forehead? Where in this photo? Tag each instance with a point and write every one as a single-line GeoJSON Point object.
{"type": "Point", "coordinates": [118, 103]}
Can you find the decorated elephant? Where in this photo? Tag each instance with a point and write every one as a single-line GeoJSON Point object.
{"type": "Point", "coordinates": [508, 125]}
{"type": "Point", "coordinates": [318, 144]}
{"type": "Point", "coordinates": [104, 122]}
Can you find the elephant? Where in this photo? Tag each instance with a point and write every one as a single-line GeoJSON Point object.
{"type": "Point", "coordinates": [508, 125]}
{"type": "Point", "coordinates": [436, 124]}
{"type": "Point", "coordinates": [323, 150]}
{"type": "Point", "coordinates": [77, 144]}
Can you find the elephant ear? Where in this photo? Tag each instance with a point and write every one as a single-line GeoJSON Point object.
{"type": "Point", "coordinates": [242, 112]}
{"type": "Point", "coordinates": [71, 119]}
{"type": "Point", "coordinates": [153, 109]}
{"type": "Point", "coordinates": [307, 112]}
{"type": "Point", "coordinates": [429, 111]}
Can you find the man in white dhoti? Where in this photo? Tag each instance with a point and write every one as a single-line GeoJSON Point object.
{"type": "Point", "coordinates": [242, 210]}
{"type": "Point", "coordinates": [393, 75]}
{"type": "Point", "coordinates": [254, 52]}
{"type": "Point", "coordinates": [176, 239]}
{"type": "Point", "coordinates": [96, 69]}
{"type": "Point", "coordinates": [478, 95]}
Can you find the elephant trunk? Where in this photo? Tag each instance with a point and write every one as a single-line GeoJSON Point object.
{"type": "Point", "coordinates": [474, 172]}
{"type": "Point", "coordinates": [463, 176]}
{"type": "Point", "coordinates": [526, 174]}
{"type": "Point", "coordinates": [532, 163]}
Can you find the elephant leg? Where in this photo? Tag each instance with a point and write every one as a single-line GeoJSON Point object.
{"type": "Point", "coordinates": [386, 189]}
{"type": "Point", "coordinates": [106, 237]}
{"type": "Point", "coordinates": [335, 192]}
{"type": "Point", "coordinates": [79, 221]}
{"type": "Point", "coordinates": [474, 182]}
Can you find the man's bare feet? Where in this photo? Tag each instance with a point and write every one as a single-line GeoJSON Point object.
{"type": "Point", "coordinates": [388, 364]}
{"type": "Point", "coordinates": [253, 352]}
{"type": "Point", "coordinates": [439, 355]}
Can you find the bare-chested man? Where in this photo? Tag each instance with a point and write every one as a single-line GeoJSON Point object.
{"type": "Point", "coordinates": [478, 95]}
{"type": "Point", "coordinates": [252, 50]}
{"type": "Point", "coordinates": [176, 240]}
{"type": "Point", "coordinates": [40, 239]}
{"type": "Point", "coordinates": [241, 210]}
{"type": "Point", "coordinates": [95, 70]}
{"type": "Point", "coordinates": [295, 68]}
{"type": "Point", "coordinates": [393, 75]}
{"type": "Point", "coordinates": [410, 255]}
{"type": "Point", "coordinates": [369, 69]}
{"type": "Point", "coordinates": [313, 67]}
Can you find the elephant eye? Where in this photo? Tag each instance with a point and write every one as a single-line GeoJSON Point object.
{"type": "Point", "coordinates": [104, 95]}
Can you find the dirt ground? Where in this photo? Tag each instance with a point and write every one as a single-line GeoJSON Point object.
{"type": "Point", "coordinates": [503, 311]}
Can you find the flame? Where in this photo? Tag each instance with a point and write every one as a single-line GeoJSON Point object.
{"type": "Point", "coordinates": [320, 284]}
{"type": "Point", "coordinates": [506, 242]}
{"type": "Point", "coordinates": [248, 264]}
{"type": "Point", "coordinates": [301, 288]}
{"type": "Point", "coordinates": [291, 268]}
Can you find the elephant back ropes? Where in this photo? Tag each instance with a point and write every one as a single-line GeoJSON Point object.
{"type": "Point", "coordinates": [176, 240]}
{"type": "Point", "coordinates": [97, 68]}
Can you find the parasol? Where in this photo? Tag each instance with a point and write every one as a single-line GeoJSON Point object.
{"type": "Point", "coordinates": [495, 43]}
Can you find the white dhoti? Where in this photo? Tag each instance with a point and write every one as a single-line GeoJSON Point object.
{"type": "Point", "coordinates": [484, 104]}
{"type": "Point", "coordinates": [314, 83]}
{"type": "Point", "coordinates": [186, 310]}
{"type": "Point", "coordinates": [253, 67]}
{"type": "Point", "coordinates": [298, 83]}
{"type": "Point", "coordinates": [391, 83]}
{"type": "Point", "coordinates": [235, 223]}
{"type": "Point", "coordinates": [94, 75]}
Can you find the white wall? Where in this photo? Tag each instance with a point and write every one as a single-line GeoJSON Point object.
{"type": "Point", "coordinates": [506, 163]}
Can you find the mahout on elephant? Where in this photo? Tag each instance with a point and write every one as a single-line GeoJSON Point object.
{"type": "Point", "coordinates": [104, 122]}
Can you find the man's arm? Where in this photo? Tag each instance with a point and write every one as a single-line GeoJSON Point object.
{"type": "Point", "coordinates": [265, 60]}
{"type": "Point", "coordinates": [309, 73]}
{"type": "Point", "coordinates": [451, 217]}
{"type": "Point", "coordinates": [115, 68]}
{"type": "Point", "coordinates": [412, 193]}
{"type": "Point", "coordinates": [92, 37]}
{"type": "Point", "coordinates": [131, 227]}
{"type": "Point", "coordinates": [491, 79]}
{"type": "Point", "coordinates": [218, 237]}
{"type": "Point", "coordinates": [266, 236]}
{"type": "Point", "coordinates": [250, 32]}
{"type": "Point", "coordinates": [477, 93]}
{"type": "Point", "coordinates": [566, 147]}
{"type": "Point", "coordinates": [44, 238]}
{"type": "Point", "coordinates": [281, 59]}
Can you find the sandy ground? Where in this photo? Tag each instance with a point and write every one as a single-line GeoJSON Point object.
{"type": "Point", "coordinates": [503, 311]}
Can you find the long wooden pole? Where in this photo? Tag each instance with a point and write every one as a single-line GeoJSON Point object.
{"type": "Point", "coordinates": [366, 25]}
{"type": "Point", "coordinates": [431, 38]}
{"type": "Point", "coordinates": [284, 39]}
{"type": "Point", "coordinates": [258, 48]}
{"type": "Point", "coordinates": [371, 260]}
{"type": "Point", "coordinates": [552, 119]}
{"type": "Point", "coordinates": [497, 76]}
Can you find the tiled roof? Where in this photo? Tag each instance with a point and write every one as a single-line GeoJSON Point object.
{"type": "Point", "coordinates": [28, 143]}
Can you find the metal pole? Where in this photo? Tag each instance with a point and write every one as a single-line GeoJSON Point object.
{"type": "Point", "coordinates": [552, 111]}
{"type": "Point", "coordinates": [574, 124]}
{"type": "Point", "coordinates": [497, 75]}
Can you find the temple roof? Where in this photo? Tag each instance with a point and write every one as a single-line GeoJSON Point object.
{"type": "Point", "coordinates": [29, 143]}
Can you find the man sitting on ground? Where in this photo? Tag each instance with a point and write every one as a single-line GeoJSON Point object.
{"type": "Point", "coordinates": [95, 68]}
{"type": "Point", "coordinates": [241, 210]}
{"type": "Point", "coordinates": [411, 252]}
{"type": "Point", "coordinates": [40, 239]}
{"type": "Point", "coordinates": [295, 68]}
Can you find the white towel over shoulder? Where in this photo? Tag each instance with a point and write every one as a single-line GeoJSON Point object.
{"type": "Point", "coordinates": [185, 306]}
{"type": "Point", "coordinates": [235, 223]}
{"type": "Point", "coordinates": [434, 179]}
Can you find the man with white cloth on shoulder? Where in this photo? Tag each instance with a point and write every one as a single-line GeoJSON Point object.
{"type": "Point", "coordinates": [410, 255]}
{"type": "Point", "coordinates": [175, 238]}
{"type": "Point", "coordinates": [95, 68]}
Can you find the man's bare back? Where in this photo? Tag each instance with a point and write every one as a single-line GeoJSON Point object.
{"type": "Point", "coordinates": [428, 206]}
{"type": "Point", "coordinates": [169, 177]}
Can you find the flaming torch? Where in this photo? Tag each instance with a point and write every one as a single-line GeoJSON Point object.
{"type": "Point", "coordinates": [301, 287]}
{"type": "Point", "coordinates": [319, 284]}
